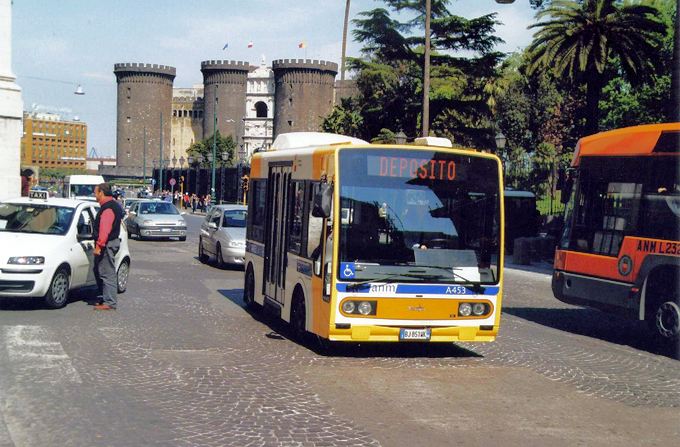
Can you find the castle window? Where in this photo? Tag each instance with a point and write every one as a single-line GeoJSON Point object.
{"type": "Point", "coordinates": [128, 119]}
{"type": "Point", "coordinates": [185, 114]}
{"type": "Point", "coordinates": [290, 123]}
{"type": "Point", "coordinates": [261, 109]}
{"type": "Point", "coordinates": [174, 113]}
{"type": "Point", "coordinates": [290, 101]}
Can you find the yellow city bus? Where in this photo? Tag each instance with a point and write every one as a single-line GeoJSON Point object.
{"type": "Point", "coordinates": [358, 242]}
{"type": "Point", "coordinates": [620, 251]}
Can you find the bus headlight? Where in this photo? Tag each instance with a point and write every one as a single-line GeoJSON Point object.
{"type": "Point", "coordinates": [348, 307]}
{"type": "Point", "coordinates": [464, 309]}
{"type": "Point", "coordinates": [478, 309]}
{"type": "Point", "coordinates": [365, 308]}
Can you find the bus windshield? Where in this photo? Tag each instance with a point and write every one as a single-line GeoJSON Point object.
{"type": "Point", "coordinates": [418, 215]}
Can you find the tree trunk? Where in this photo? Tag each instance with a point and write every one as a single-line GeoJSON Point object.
{"type": "Point", "coordinates": [593, 102]}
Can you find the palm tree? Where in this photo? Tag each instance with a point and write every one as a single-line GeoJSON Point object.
{"type": "Point", "coordinates": [578, 38]}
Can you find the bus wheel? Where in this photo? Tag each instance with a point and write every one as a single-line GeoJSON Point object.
{"type": "Point", "coordinates": [298, 317]}
{"type": "Point", "coordinates": [667, 327]}
{"type": "Point", "coordinates": [249, 289]}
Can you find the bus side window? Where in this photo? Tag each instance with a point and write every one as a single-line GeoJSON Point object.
{"type": "Point", "coordinates": [314, 231]}
{"type": "Point", "coordinates": [297, 220]}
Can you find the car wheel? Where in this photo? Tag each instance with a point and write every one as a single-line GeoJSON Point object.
{"type": "Point", "coordinates": [57, 294]}
{"type": "Point", "coordinates": [201, 254]}
{"type": "Point", "coordinates": [123, 275]}
{"type": "Point", "coordinates": [220, 259]}
{"type": "Point", "coordinates": [249, 290]}
{"type": "Point", "coordinates": [298, 318]}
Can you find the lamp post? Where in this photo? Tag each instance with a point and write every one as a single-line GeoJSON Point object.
{"type": "Point", "coordinates": [212, 185]}
{"type": "Point", "coordinates": [199, 159]}
{"type": "Point", "coordinates": [225, 159]}
{"type": "Point", "coordinates": [500, 145]}
{"type": "Point", "coordinates": [190, 161]}
{"type": "Point", "coordinates": [241, 155]}
{"type": "Point", "coordinates": [154, 168]}
{"type": "Point", "coordinates": [211, 160]}
{"type": "Point", "coordinates": [144, 168]}
{"type": "Point", "coordinates": [181, 177]}
{"type": "Point", "coordinates": [400, 137]}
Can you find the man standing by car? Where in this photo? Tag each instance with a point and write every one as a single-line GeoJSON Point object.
{"type": "Point", "coordinates": [107, 244]}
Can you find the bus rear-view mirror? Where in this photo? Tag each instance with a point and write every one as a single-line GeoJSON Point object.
{"type": "Point", "coordinates": [322, 201]}
{"type": "Point", "coordinates": [566, 191]}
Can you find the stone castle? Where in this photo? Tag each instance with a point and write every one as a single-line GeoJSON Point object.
{"type": "Point", "coordinates": [253, 104]}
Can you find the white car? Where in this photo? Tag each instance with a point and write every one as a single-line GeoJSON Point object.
{"type": "Point", "coordinates": [223, 235]}
{"type": "Point", "coordinates": [47, 248]}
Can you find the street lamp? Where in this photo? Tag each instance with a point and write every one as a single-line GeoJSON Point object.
{"type": "Point", "coordinates": [500, 145]}
{"type": "Point", "coordinates": [400, 137]}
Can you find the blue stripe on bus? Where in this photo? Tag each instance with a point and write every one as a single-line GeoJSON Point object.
{"type": "Point", "coordinates": [305, 268]}
{"type": "Point", "coordinates": [417, 289]}
{"type": "Point", "coordinates": [257, 250]}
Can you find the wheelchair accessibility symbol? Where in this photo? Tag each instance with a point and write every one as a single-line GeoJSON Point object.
{"type": "Point", "coordinates": [347, 270]}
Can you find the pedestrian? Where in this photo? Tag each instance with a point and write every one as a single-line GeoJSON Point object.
{"type": "Point", "coordinates": [107, 243]}
{"type": "Point", "coordinates": [25, 182]}
{"type": "Point", "coordinates": [194, 203]}
{"type": "Point", "coordinates": [186, 200]}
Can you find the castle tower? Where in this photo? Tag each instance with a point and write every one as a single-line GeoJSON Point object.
{"type": "Point", "coordinates": [144, 92]}
{"type": "Point", "coordinates": [231, 79]}
{"type": "Point", "coordinates": [304, 93]}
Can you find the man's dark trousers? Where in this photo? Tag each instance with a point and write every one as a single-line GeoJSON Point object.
{"type": "Point", "coordinates": [105, 273]}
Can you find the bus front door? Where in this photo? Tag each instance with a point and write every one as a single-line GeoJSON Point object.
{"type": "Point", "coordinates": [278, 188]}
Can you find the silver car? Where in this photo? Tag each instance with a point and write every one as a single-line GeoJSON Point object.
{"type": "Point", "coordinates": [149, 219]}
{"type": "Point", "coordinates": [223, 235]}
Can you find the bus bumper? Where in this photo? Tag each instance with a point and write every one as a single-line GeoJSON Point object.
{"type": "Point", "coordinates": [392, 334]}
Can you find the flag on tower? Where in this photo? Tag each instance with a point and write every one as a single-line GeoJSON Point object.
{"type": "Point", "coordinates": [302, 45]}
{"type": "Point", "coordinates": [225, 46]}
{"type": "Point", "coordinates": [250, 45]}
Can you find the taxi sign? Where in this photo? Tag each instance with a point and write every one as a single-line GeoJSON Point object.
{"type": "Point", "coordinates": [37, 194]}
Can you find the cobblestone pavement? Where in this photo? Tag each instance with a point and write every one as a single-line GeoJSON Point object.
{"type": "Point", "coordinates": [182, 363]}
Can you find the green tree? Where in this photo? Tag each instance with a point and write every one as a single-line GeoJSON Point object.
{"type": "Point", "coordinates": [390, 72]}
{"type": "Point", "coordinates": [577, 39]}
{"type": "Point", "coordinates": [344, 120]}
{"type": "Point", "coordinates": [222, 144]}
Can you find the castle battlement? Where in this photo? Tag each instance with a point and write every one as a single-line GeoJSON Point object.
{"type": "Point", "coordinates": [304, 64]}
{"type": "Point", "coordinates": [225, 65]}
{"type": "Point", "coordinates": [145, 68]}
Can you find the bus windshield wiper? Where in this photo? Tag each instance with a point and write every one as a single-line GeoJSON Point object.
{"type": "Point", "coordinates": [389, 278]}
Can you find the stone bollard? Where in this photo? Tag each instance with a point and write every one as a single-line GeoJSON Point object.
{"type": "Point", "coordinates": [522, 251]}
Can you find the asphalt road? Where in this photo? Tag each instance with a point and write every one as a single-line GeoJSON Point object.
{"type": "Point", "coordinates": [182, 363]}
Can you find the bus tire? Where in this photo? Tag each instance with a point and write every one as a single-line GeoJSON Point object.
{"type": "Point", "coordinates": [298, 317]}
{"type": "Point", "coordinates": [249, 289]}
{"type": "Point", "coordinates": [664, 311]}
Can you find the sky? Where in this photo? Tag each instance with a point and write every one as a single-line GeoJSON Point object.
{"type": "Point", "coordinates": [59, 45]}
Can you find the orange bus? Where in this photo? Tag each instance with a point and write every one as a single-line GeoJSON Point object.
{"type": "Point", "coordinates": [620, 249]}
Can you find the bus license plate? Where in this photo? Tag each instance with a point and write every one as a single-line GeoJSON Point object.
{"type": "Point", "coordinates": [414, 334]}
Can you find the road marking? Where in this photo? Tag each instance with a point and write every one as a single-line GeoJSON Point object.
{"type": "Point", "coordinates": [31, 353]}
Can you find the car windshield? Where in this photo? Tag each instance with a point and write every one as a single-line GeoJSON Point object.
{"type": "Point", "coordinates": [413, 215]}
{"type": "Point", "coordinates": [30, 218]}
{"type": "Point", "coordinates": [157, 208]}
{"type": "Point", "coordinates": [234, 219]}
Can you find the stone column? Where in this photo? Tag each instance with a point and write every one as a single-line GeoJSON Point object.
{"type": "Point", "coordinates": [11, 111]}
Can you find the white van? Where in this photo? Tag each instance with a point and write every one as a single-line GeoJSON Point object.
{"type": "Point", "coordinates": [81, 186]}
